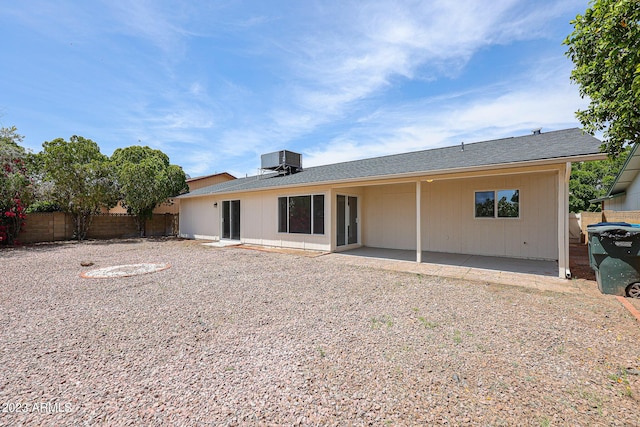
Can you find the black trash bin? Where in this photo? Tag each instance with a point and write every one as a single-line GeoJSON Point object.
{"type": "Point", "coordinates": [614, 254]}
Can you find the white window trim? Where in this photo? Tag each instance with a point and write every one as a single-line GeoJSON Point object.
{"type": "Point", "coordinates": [324, 213]}
{"type": "Point", "coordinates": [495, 204]}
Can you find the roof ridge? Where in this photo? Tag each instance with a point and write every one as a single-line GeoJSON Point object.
{"type": "Point", "coordinates": [448, 147]}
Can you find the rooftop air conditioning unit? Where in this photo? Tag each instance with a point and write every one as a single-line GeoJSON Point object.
{"type": "Point", "coordinates": [284, 162]}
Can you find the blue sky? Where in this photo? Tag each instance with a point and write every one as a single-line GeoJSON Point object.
{"type": "Point", "coordinates": [214, 84]}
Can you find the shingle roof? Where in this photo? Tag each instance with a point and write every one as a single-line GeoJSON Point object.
{"type": "Point", "coordinates": [560, 144]}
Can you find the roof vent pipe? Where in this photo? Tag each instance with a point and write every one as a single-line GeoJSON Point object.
{"type": "Point", "coordinates": [462, 146]}
{"type": "Point", "coordinates": [536, 131]}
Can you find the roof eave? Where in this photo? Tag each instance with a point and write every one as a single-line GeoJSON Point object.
{"type": "Point", "coordinates": [614, 186]}
{"type": "Point", "coordinates": [608, 197]}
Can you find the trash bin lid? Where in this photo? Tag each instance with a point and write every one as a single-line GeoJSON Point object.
{"type": "Point", "coordinates": [621, 224]}
{"type": "Point", "coordinates": [616, 232]}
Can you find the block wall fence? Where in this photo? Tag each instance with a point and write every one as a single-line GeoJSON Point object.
{"type": "Point", "coordinates": [55, 226]}
{"type": "Point", "coordinates": [586, 218]}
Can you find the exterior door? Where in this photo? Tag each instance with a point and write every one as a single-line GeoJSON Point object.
{"type": "Point", "coordinates": [347, 220]}
{"type": "Point", "coordinates": [231, 219]}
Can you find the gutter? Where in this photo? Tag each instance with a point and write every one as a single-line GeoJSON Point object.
{"type": "Point", "coordinates": [605, 198]}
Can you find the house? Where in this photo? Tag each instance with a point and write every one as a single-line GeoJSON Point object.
{"type": "Point", "coordinates": [172, 205]}
{"type": "Point", "coordinates": [506, 197]}
{"type": "Point", "coordinates": [207, 180]}
{"type": "Point", "coordinates": [624, 193]}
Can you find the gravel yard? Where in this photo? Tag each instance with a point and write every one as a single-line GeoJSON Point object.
{"type": "Point", "coordinates": [231, 336]}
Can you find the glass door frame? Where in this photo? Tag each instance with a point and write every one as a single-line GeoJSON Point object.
{"type": "Point", "coordinates": [347, 220]}
{"type": "Point", "coordinates": [230, 220]}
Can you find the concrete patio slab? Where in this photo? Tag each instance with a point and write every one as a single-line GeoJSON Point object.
{"type": "Point", "coordinates": [223, 243]}
{"type": "Point", "coordinates": [536, 274]}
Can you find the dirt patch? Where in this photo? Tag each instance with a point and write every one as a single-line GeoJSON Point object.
{"type": "Point", "coordinates": [579, 262]}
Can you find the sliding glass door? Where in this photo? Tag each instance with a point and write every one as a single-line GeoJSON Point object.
{"type": "Point", "coordinates": [347, 220]}
{"type": "Point", "coordinates": [231, 219]}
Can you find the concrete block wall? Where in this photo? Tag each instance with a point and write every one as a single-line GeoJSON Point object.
{"type": "Point", "coordinates": [55, 226]}
{"type": "Point", "coordinates": [587, 218]}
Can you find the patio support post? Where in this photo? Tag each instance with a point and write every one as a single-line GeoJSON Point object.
{"type": "Point", "coordinates": [418, 223]}
{"type": "Point", "coordinates": [563, 221]}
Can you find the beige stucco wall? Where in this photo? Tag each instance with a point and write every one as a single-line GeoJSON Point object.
{"type": "Point", "coordinates": [199, 218]}
{"type": "Point", "coordinates": [448, 222]}
{"type": "Point", "coordinates": [259, 221]}
{"type": "Point", "coordinates": [387, 216]}
{"type": "Point", "coordinates": [454, 228]}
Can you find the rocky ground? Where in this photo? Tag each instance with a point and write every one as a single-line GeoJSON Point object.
{"type": "Point", "coordinates": [230, 336]}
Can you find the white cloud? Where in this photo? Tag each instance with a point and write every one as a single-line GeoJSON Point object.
{"type": "Point", "coordinates": [160, 24]}
{"type": "Point", "coordinates": [338, 66]}
{"type": "Point", "coordinates": [323, 77]}
{"type": "Point", "coordinates": [541, 99]}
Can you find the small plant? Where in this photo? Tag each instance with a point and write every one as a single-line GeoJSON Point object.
{"type": "Point", "coordinates": [622, 378]}
{"type": "Point", "coordinates": [322, 352]}
{"type": "Point", "coordinates": [384, 320]}
{"type": "Point", "coordinates": [427, 324]}
{"type": "Point", "coordinates": [456, 337]}
{"type": "Point", "coordinates": [545, 422]}
{"type": "Point", "coordinates": [594, 400]}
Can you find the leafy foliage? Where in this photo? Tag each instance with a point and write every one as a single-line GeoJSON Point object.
{"type": "Point", "coordinates": [591, 180]}
{"type": "Point", "coordinates": [43, 206]}
{"type": "Point", "coordinates": [605, 48]}
{"type": "Point", "coordinates": [16, 189]}
{"type": "Point", "coordinates": [146, 179]}
{"type": "Point", "coordinates": [82, 178]}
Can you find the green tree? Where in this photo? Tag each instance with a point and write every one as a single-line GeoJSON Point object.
{"type": "Point", "coordinates": [605, 48]}
{"type": "Point", "coordinates": [591, 180]}
{"type": "Point", "coordinates": [82, 179]}
{"type": "Point", "coordinates": [146, 179]}
{"type": "Point", "coordinates": [16, 189]}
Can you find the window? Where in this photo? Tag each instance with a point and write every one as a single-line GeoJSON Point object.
{"type": "Point", "coordinates": [485, 204]}
{"type": "Point", "coordinates": [318, 214]}
{"type": "Point", "coordinates": [508, 204]}
{"type": "Point", "coordinates": [497, 204]}
{"type": "Point", "coordinates": [301, 214]}
{"type": "Point", "coordinates": [283, 219]}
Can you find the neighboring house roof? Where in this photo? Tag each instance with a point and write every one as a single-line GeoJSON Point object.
{"type": "Point", "coordinates": [625, 177]}
{"type": "Point", "coordinates": [555, 146]}
{"type": "Point", "coordinates": [199, 178]}
{"type": "Point", "coordinates": [208, 180]}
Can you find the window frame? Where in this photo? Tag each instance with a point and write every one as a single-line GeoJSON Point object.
{"type": "Point", "coordinates": [496, 200]}
{"type": "Point", "coordinates": [314, 226]}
